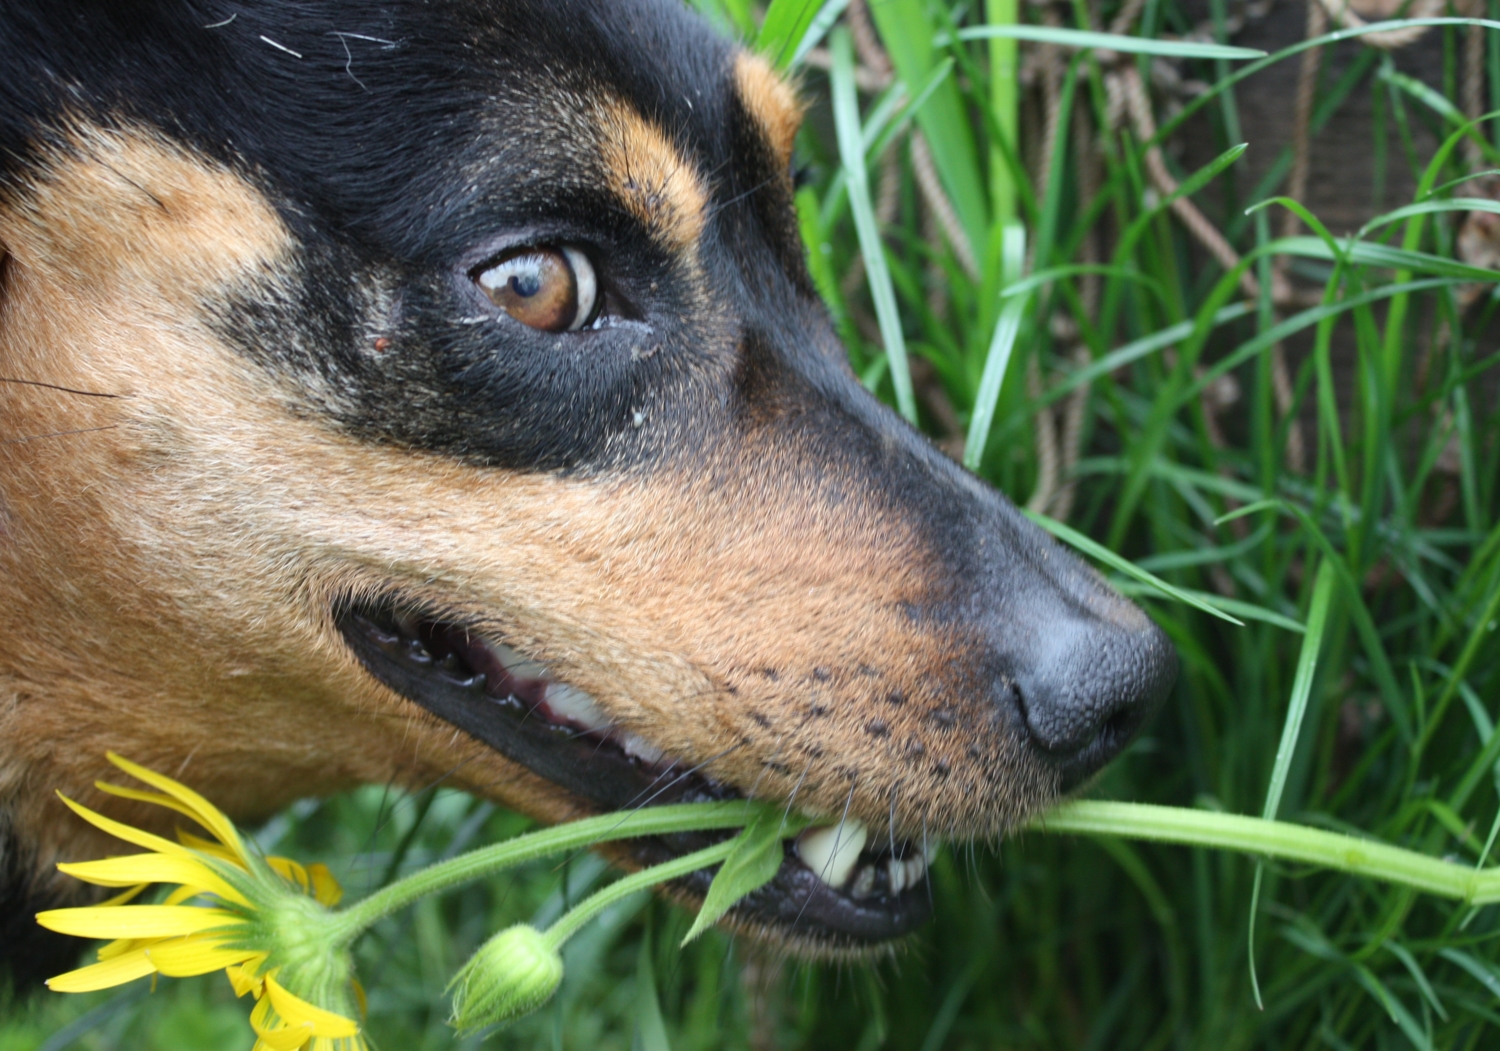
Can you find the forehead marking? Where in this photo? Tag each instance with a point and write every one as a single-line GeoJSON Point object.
{"type": "Point", "coordinates": [130, 206]}
{"type": "Point", "coordinates": [771, 101]}
{"type": "Point", "coordinates": [655, 182]}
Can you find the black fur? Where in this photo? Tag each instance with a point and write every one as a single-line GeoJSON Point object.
{"type": "Point", "coordinates": [406, 142]}
{"type": "Point", "coordinates": [28, 953]}
{"type": "Point", "coordinates": [394, 193]}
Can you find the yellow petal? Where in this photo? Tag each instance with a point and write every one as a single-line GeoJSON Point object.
{"type": "Point", "coordinates": [121, 831]}
{"type": "Point", "coordinates": [210, 847]}
{"type": "Point", "coordinates": [273, 1032]}
{"type": "Point", "coordinates": [297, 1011]}
{"type": "Point", "coordinates": [160, 799]}
{"type": "Point", "coordinates": [135, 921]}
{"type": "Point", "coordinates": [153, 868]}
{"type": "Point", "coordinates": [185, 957]}
{"type": "Point", "coordinates": [128, 895]}
{"type": "Point", "coordinates": [290, 871]}
{"type": "Point", "coordinates": [123, 946]}
{"type": "Point", "coordinates": [114, 972]}
{"type": "Point", "coordinates": [325, 887]}
{"type": "Point", "coordinates": [245, 978]}
{"type": "Point", "coordinates": [263, 1044]}
{"type": "Point", "coordinates": [180, 895]}
{"type": "Point", "coordinates": [204, 812]}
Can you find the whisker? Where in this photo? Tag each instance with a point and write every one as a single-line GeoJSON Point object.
{"type": "Point", "coordinates": [925, 853]}
{"type": "Point", "coordinates": [891, 821]}
{"type": "Point", "coordinates": [838, 838]}
{"type": "Point", "coordinates": [55, 386]}
{"type": "Point", "coordinates": [795, 789]}
{"type": "Point", "coordinates": [55, 434]}
{"type": "Point", "coordinates": [685, 773]}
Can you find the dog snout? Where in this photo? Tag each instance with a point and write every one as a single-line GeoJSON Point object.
{"type": "Point", "coordinates": [1090, 683]}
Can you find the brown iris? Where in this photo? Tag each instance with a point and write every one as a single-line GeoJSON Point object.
{"type": "Point", "coordinates": [549, 288]}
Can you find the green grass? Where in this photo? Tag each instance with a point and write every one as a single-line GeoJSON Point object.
{"type": "Point", "coordinates": [1390, 524]}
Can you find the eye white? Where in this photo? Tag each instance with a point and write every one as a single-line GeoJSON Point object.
{"type": "Point", "coordinates": [587, 285]}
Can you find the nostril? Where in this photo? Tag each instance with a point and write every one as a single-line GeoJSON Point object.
{"type": "Point", "coordinates": [1089, 690]}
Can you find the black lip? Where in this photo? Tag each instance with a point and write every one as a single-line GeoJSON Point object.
{"type": "Point", "coordinates": [796, 904]}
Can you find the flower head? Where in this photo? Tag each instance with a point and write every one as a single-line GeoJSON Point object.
{"type": "Point", "coordinates": [261, 919]}
{"type": "Point", "coordinates": [513, 973]}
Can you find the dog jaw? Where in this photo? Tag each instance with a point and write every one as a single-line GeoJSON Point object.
{"type": "Point", "coordinates": [744, 562]}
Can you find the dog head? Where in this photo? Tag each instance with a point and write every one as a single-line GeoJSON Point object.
{"type": "Point", "coordinates": [414, 390]}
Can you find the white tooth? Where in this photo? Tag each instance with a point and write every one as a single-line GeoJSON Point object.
{"type": "Point", "coordinates": [641, 748]}
{"type": "Point", "coordinates": [895, 869]}
{"type": "Point", "coordinates": [864, 883]}
{"type": "Point", "coordinates": [916, 868]}
{"type": "Point", "coordinates": [931, 848]}
{"type": "Point", "coordinates": [571, 703]}
{"type": "Point", "coordinates": [520, 667]}
{"type": "Point", "coordinates": [832, 852]}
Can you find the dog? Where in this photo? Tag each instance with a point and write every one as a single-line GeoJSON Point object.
{"type": "Point", "coordinates": [398, 392]}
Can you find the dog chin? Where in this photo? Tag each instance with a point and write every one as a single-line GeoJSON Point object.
{"type": "Point", "coordinates": [839, 891]}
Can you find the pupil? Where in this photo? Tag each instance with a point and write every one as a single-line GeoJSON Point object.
{"type": "Point", "coordinates": [527, 284]}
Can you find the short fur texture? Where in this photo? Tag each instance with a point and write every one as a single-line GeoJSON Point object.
{"type": "Point", "coordinates": [248, 378]}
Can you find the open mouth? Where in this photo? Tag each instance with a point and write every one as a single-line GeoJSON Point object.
{"type": "Point", "coordinates": [838, 888]}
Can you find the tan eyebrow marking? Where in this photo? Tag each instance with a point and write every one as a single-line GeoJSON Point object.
{"type": "Point", "coordinates": [113, 206]}
{"type": "Point", "coordinates": [771, 101]}
{"type": "Point", "coordinates": [655, 182]}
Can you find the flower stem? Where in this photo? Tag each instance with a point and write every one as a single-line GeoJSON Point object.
{"type": "Point", "coordinates": [1277, 839]}
{"type": "Point", "coordinates": [567, 924]}
{"type": "Point", "coordinates": [347, 924]}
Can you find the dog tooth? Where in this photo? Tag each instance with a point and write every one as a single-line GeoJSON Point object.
{"type": "Point", "coordinates": [571, 703]}
{"type": "Point", "coordinates": [641, 748]}
{"type": "Point", "coordinates": [518, 666]}
{"type": "Point", "coordinates": [930, 850]}
{"type": "Point", "coordinates": [895, 870]}
{"type": "Point", "coordinates": [832, 851]}
{"type": "Point", "coordinates": [864, 882]}
{"type": "Point", "coordinates": [916, 870]}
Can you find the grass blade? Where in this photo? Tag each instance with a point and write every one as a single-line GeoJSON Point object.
{"type": "Point", "coordinates": [1307, 665]}
{"type": "Point", "coordinates": [1113, 41]}
{"type": "Point", "coordinates": [650, 1027]}
{"type": "Point", "coordinates": [785, 26]}
{"type": "Point", "coordinates": [997, 361]}
{"type": "Point", "coordinates": [1296, 712]}
{"type": "Point", "coordinates": [1097, 550]}
{"type": "Point", "coordinates": [852, 153]}
{"type": "Point", "coordinates": [906, 29]}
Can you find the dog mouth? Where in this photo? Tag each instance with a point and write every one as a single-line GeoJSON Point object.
{"type": "Point", "coordinates": [838, 889]}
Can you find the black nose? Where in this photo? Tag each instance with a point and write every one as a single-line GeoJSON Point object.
{"type": "Point", "coordinates": [1094, 674]}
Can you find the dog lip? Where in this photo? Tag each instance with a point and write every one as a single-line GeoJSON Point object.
{"type": "Point", "coordinates": [504, 705]}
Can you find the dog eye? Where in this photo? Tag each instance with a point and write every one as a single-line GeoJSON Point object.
{"type": "Point", "coordinates": [550, 288]}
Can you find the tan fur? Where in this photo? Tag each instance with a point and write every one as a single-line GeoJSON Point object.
{"type": "Point", "coordinates": [166, 575]}
{"type": "Point", "coordinates": [657, 184]}
{"type": "Point", "coordinates": [771, 101]}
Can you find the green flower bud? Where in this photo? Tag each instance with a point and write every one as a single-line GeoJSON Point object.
{"type": "Point", "coordinates": [512, 974]}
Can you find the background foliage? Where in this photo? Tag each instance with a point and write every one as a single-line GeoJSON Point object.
{"type": "Point", "coordinates": [1174, 363]}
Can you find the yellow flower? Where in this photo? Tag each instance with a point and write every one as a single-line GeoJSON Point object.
{"type": "Point", "coordinates": [260, 919]}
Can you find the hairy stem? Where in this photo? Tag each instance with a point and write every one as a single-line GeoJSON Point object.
{"type": "Point", "coordinates": [1275, 839]}
{"type": "Point", "coordinates": [576, 835]}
